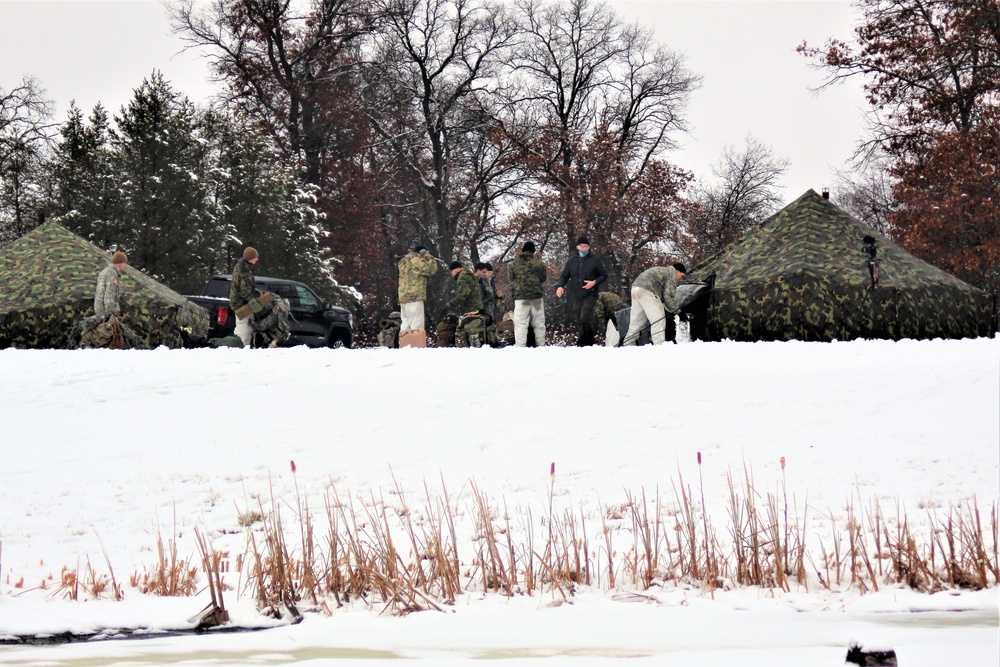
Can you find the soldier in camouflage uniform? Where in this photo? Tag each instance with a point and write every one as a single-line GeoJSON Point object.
{"type": "Point", "coordinates": [653, 301]}
{"type": "Point", "coordinates": [528, 274]}
{"type": "Point", "coordinates": [609, 303]}
{"type": "Point", "coordinates": [414, 270]}
{"type": "Point", "coordinates": [468, 298]}
{"type": "Point", "coordinates": [108, 293]}
{"type": "Point", "coordinates": [484, 274]}
{"type": "Point", "coordinates": [243, 292]}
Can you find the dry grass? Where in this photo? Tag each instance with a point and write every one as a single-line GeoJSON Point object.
{"type": "Point", "coordinates": [171, 577]}
{"type": "Point", "coordinates": [386, 553]}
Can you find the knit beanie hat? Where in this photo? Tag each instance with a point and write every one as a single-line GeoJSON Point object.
{"type": "Point", "coordinates": [583, 240]}
{"type": "Point", "coordinates": [528, 247]}
{"type": "Point", "coordinates": [680, 267]}
{"type": "Point", "coordinates": [249, 253]}
{"type": "Point", "coordinates": [455, 264]}
{"type": "Point", "coordinates": [119, 258]}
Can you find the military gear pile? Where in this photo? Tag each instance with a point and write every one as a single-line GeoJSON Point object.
{"type": "Point", "coordinates": [388, 334]}
{"type": "Point", "coordinates": [471, 330]}
{"type": "Point", "coordinates": [273, 322]}
{"type": "Point", "coordinates": [504, 331]}
{"type": "Point", "coordinates": [804, 275]}
{"type": "Point", "coordinates": [47, 278]}
{"type": "Point", "coordinates": [105, 331]}
{"type": "Point", "coordinates": [446, 329]}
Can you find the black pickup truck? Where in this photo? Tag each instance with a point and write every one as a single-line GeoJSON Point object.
{"type": "Point", "coordinates": [314, 322]}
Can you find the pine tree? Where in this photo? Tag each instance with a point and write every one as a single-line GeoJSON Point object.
{"type": "Point", "coordinates": [84, 195]}
{"type": "Point", "coordinates": [159, 159]}
{"type": "Point", "coordinates": [259, 201]}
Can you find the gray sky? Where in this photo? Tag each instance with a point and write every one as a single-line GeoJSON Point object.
{"type": "Point", "coordinates": [754, 82]}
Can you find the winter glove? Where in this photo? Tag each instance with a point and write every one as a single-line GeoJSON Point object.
{"type": "Point", "coordinates": [255, 306]}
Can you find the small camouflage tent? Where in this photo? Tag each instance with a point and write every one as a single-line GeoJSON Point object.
{"type": "Point", "coordinates": [47, 281]}
{"type": "Point", "coordinates": [804, 274]}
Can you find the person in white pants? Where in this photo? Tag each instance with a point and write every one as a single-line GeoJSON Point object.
{"type": "Point", "coordinates": [653, 301]}
{"type": "Point", "coordinates": [528, 274]}
{"type": "Point", "coordinates": [414, 270]}
{"type": "Point", "coordinates": [529, 312]}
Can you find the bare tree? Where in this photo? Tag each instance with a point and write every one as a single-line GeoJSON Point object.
{"type": "Point", "coordinates": [746, 191]}
{"type": "Point", "coordinates": [432, 68]}
{"type": "Point", "coordinates": [581, 71]}
{"type": "Point", "coordinates": [287, 66]}
{"type": "Point", "coordinates": [865, 191]}
{"type": "Point", "coordinates": [25, 132]}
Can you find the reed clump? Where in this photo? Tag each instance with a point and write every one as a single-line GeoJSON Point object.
{"type": "Point", "coordinates": [387, 551]}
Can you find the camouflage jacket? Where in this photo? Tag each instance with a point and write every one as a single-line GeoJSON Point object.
{"type": "Point", "coordinates": [661, 281]}
{"type": "Point", "coordinates": [488, 289]}
{"type": "Point", "coordinates": [414, 270]}
{"type": "Point", "coordinates": [468, 298]}
{"type": "Point", "coordinates": [243, 288]}
{"type": "Point", "coordinates": [108, 291]}
{"type": "Point", "coordinates": [528, 275]}
{"type": "Point", "coordinates": [608, 304]}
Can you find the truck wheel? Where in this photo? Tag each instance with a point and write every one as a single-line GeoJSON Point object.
{"type": "Point", "coordinates": [337, 340]}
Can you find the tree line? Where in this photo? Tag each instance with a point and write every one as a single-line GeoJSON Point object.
{"type": "Point", "coordinates": [349, 131]}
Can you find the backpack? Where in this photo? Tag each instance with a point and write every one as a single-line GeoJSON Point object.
{"type": "Point", "coordinates": [472, 330]}
{"type": "Point", "coordinates": [388, 334]}
{"type": "Point", "coordinates": [503, 333]}
{"type": "Point", "coordinates": [446, 330]}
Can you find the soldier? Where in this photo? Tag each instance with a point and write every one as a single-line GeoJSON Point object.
{"type": "Point", "coordinates": [414, 270]}
{"type": "Point", "coordinates": [468, 298]}
{"type": "Point", "coordinates": [243, 292]}
{"type": "Point", "coordinates": [609, 303]}
{"type": "Point", "coordinates": [488, 287]}
{"type": "Point", "coordinates": [108, 293]}
{"type": "Point", "coordinates": [583, 274]}
{"type": "Point", "coordinates": [528, 275]}
{"type": "Point", "coordinates": [653, 300]}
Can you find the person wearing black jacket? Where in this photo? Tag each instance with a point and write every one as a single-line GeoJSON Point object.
{"type": "Point", "coordinates": [581, 277]}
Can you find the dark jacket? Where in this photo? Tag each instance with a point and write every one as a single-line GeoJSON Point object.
{"type": "Point", "coordinates": [528, 275]}
{"type": "Point", "coordinates": [577, 271]}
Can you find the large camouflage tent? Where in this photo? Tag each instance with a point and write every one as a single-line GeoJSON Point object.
{"type": "Point", "coordinates": [47, 281]}
{"type": "Point", "coordinates": [804, 274]}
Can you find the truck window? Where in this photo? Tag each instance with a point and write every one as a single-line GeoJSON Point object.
{"type": "Point", "coordinates": [217, 287]}
{"type": "Point", "coordinates": [307, 300]}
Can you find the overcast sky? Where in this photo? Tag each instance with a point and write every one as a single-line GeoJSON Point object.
{"type": "Point", "coordinates": [754, 82]}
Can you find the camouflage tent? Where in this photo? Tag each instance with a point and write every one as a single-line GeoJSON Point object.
{"type": "Point", "coordinates": [47, 281]}
{"type": "Point", "coordinates": [804, 274]}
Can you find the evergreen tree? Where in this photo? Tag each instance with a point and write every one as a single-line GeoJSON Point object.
{"type": "Point", "coordinates": [159, 159]}
{"type": "Point", "coordinates": [258, 201]}
{"type": "Point", "coordinates": [84, 193]}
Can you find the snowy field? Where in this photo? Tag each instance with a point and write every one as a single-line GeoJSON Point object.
{"type": "Point", "coordinates": [101, 452]}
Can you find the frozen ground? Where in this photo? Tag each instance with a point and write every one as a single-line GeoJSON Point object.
{"type": "Point", "coordinates": [105, 451]}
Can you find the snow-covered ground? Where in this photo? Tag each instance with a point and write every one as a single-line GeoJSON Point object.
{"type": "Point", "coordinates": [102, 452]}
